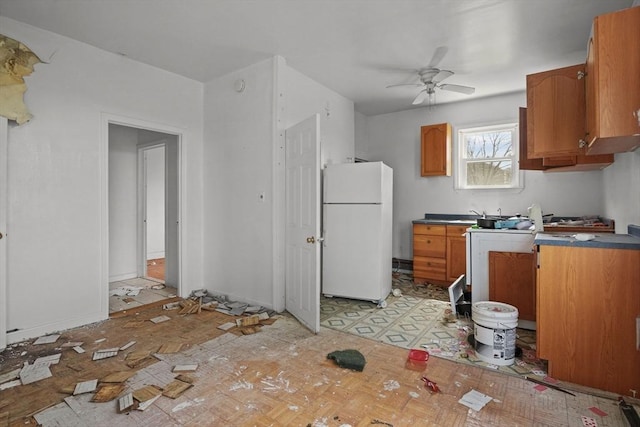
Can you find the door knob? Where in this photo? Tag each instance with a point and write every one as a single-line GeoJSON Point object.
{"type": "Point", "coordinates": [311, 239]}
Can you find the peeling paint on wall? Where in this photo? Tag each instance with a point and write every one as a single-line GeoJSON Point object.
{"type": "Point", "coordinates": [17, 61]}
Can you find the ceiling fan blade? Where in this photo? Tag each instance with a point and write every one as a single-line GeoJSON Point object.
{"type": "Point", "coordinates": [405, 84]}
{"type": "Point", "coordinates": [420, 98]}
{"type": "Point", "coordinates": [443, 74]}
{"type": "Point", "coordinates": [440, 52]}
{"type": "Point", "coordinates": [457, 88]}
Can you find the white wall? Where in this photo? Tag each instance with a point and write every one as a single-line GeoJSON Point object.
{"type": "Point", "coordinates": [243, 157]}
{"type": "Point", "coordinates": [395, 139]}
{"type": "Point", "coordinates": [123, 202]}
{"type": "Point", "coordinates": [305, 97]}
{"type": "Point", "coordinates": [155, 159]}
{"type": "Point", "coordinates": [57, 220]}
{"type": "Point", "coordinates": [237, 155]}
{"type": "Point", "coordinates": [622, 190]}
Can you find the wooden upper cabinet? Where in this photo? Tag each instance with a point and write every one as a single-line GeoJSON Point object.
{"type": "Point", "coordinates": [556, 112]}
{"type": "Point", "coordinates": [435, 150]}
{"type": "Point", "coordinates": [554, 125]}
{"type": "Point", "coordinates": [525, 162]}
{"type": "Point", "coordinates": [613, 83]}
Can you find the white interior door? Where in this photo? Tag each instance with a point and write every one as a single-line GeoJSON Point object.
{"type": "Point", "coordinates": [4, 129]}
{"type": "Point", "coordinates": [302, 277]}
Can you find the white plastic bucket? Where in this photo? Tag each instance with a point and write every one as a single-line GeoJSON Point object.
{"type": "Point", "coordinates": [494, 330]}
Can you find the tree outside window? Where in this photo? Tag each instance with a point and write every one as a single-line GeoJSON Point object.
{"type": "Point", "coordinates": [488, 157]}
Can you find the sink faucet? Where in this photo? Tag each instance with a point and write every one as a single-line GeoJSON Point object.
{"type": "Point", "coordinates": [499, 211]}
{"type": "Point", "coordinates": [483, 215]}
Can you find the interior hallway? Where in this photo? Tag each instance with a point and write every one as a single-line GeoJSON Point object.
{"type": "Point", "coordinates": [144, 291]}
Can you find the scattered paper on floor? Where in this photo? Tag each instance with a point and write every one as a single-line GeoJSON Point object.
{"type": "Point", "coordinates": [47, 339]}
{"type": "Point", "coordinates": [125, 402]}
{"type": "Point", "coordinates": [185, 368]}
{"type": "Point", "coordinates": [475, 400]}
{"type": "Point", "coordinates": [85, 387]}
{"type": "Point", "coordinates": [32, 373]}
{"type": "Point", "coordinates": [160, 319]}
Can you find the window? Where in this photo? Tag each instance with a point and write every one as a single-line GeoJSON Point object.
{"type": "Point", "coordinates": [488, 157]}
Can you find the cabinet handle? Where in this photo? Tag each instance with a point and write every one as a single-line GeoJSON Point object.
{"type": "Point", "coordinates": [428, 241]}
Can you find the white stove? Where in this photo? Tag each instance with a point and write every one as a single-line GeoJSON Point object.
{"type": "Point", "coordinates": [480, 241]}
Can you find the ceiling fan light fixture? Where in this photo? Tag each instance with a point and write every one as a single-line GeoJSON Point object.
{"type": "Point", "coordinates": [431, 97]}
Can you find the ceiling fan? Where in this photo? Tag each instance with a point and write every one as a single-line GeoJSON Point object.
{"type": "Point", "coordinates": [431, 78]}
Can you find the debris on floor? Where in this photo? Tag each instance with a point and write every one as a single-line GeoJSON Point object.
{"type": "Point", "coordinates": [350, 359]}
{"type": "Point", "coordinates": [475, 400]}
{"type": "Point", "coordinates": [160, 319]}
{"type": "Point", "coordinates": [122, 291]}
{"type": "Point", "coordinates": [47, 339]}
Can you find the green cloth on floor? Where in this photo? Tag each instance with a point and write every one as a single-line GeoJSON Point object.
{"type": "Point", "coordinates": [350, 359]}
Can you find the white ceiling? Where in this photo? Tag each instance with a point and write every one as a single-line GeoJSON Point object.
{"type": "Point", "coordinates": [354, 47]}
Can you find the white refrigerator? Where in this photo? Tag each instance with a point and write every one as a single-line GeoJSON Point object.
{"type": "Point", "coordinates": [357, 227]}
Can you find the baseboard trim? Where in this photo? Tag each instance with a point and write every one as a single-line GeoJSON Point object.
{"type": "Point", "coordinates": [402, 265]}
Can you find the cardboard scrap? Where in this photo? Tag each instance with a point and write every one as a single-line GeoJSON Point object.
{"type": "Point", "coordinates": [48, 339]}
{"type": "Point", "coordinates": [127, 345]}
{"type": "Point", "coordinates": [185, 368]}
{"type": "Point", "coordinates": [85, 387]}
{"type": "Point", "coordinates": [248, 321]}
{"type": "Point", "coordinates": [227, 326]}
{"type": "Point", "coordinates": [108, 392]}
{"type": "Point", "coordinates": [10, 384]}
{"type": "Point", "coordinates": [11, 375]}
{"type": "Point", "coordinates": [142, 363]}
{"type": "Point", "coordinates": [190, 306]}
{"type": "Point", "coordinates": [105, 353]}
{"type": "Point", "coordinates": [144, 405]}
{"type": "Point", "coordinates": [125, 402]}
{"type": "Point", "coordinates": [210, 306]}
{"type": "Point", "coordinates": [48, 360]}
{"type": "Point", "coordinates": [475, 400]}
{"type": "Point", "coordinates": [175, 388]}
{"type": "Point", "coordinates": [160, 319]}
{"type": "Point", "coordinates": [147, 392]}
{"type": "Point", "coordinates": [249, 330]}
{"type": "Point", "coordinates": [169, 348]}
{"type": "Point", "coordinates": [72, 344]}
{"type": "Point", "coordinates": [78, 349]}
{"type": "Point", "coordinates": [32, 373]}
{"type": "Point", "coordinates": [171, 306]}
{"type": "Point", "coordinates": [185, 378]}
{"type": "Point", "coordinates": [117, 377]}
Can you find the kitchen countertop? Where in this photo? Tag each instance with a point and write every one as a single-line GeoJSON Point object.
{"type": "Point", "coordinates": [557, 225]}
{"type": "Point", "coordinates": [603, 240]}
{"type": "Point", "coordinates": [451, 219]}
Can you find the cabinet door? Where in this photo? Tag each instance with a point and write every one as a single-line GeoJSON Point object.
{"type": "Point", "coordinates": [555, 112]}
{"type": "Point", "coordinates": [456, 252]}
{"type": "Point", "coordinates": [525, 162]}
{"type": "Point", "coordinates": [588, 302]}
{"type": "Point", "coordinates": [512, 281]}
{"type": "Point", "coordinates": [613, 82]}
{"type": "Point", "coordinates": [435, 150]}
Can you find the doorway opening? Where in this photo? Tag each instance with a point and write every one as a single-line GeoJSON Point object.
{"type": "Point", "coordinates": [144, 256]}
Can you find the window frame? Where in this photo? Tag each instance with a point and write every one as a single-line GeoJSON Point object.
{"type": "Point", "coordinates": [462, 161]}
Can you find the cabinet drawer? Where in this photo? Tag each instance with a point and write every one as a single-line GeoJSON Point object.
{"type": "Point", "coordinates": [431, 246]}
{"type": "Point", "coordinates": [429, 268]}
{"type": "Point", "coordinates": [456, 230]}
{"type": "Point", "coordinates": [433, 230]}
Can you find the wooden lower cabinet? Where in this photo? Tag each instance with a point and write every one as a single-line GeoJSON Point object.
{"type": "Point", "coordinates": [588, 305]}
{"type": "Point", "coordinates": [456, 251]}
{"type": "Point", "coordinates": [439, 253]}
{"type": "Point", "coordinates": [512, 280]}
